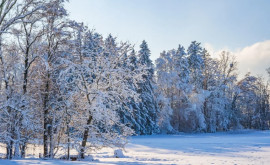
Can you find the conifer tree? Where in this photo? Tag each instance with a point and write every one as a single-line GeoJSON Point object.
{"type": "Point", "coordinates": [147, 107]}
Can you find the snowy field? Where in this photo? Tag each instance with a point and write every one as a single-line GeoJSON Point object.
{"type": "Point", "coordinates": [242, 147]}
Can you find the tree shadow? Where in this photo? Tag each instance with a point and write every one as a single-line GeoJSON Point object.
{"type": "Point", "coordinates": [208, 143]}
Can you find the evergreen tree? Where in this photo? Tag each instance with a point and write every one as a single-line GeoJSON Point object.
{"type": "Point", "coordinates": [148, 108]}
{"type": "Point", "coordinates": [196, 63]}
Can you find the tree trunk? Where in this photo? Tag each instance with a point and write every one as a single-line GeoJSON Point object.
{"type": "Point", "coordinates": [86, 131]}
{"type": "Point", "coordinates": [51, 155]}
{"type": "Point", "coordinates": [16, 150]}
{"type": "Point", "coordinates": [68, 152]}
{"type": "Point", "coordinates": [23, 148]}
{"type": "Point", "coordinates": [85, 136]}
{"type": "Point", "coordinates": [9, 150]}
{"type": "Point", "coordinates": [25, 76]}
{"type": "Point", "coordinates": [46, 121]}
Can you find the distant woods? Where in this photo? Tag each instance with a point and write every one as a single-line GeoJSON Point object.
{"type": "Point", "coordinates": [206, 95]}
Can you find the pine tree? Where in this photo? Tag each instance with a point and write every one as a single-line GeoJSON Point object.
{"type": "Point", "coordinates": [196, 63]}
{"type": "Point", "coordinates": [147, 107]}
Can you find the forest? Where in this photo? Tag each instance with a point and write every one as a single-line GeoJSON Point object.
{"type": "Point", "coordinates": [66, 86]}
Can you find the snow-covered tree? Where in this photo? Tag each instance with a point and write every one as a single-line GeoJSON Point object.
{"type": "Point", "coordinates": [201, 90]}
{"type": "Point", "coordinates": [172, 79]}
{"type": "Point", "coordinates": [196, 64]}
{"type": "Point", "coordinates": [228, 71]}
{"type": "Point", "coordinates": [14, 101]}
{"type": "Point", "coordinates": [102, 86]}
{"type": "Point", "coordinates": [55, 38]}
{"type": "Point", "coordinates": [253, 102]}
{"type": "Point", "coordinates": [146, 115]}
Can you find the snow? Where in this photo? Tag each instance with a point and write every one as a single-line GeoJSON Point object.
{"type": "Point", "coordinates": [118, 153]}
{"type": "Point", "coordinates": [237, 147]}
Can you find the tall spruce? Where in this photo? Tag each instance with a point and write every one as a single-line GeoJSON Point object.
{"type": "Point", "coordinates": [148, 106]}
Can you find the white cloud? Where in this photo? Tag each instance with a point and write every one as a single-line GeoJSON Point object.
{"type": "Point", "coordinates": [254, 58]}
{"type": "Point", "coordinates": [214, 52]}
{"type": "Point", "coordinates": [209, 48]}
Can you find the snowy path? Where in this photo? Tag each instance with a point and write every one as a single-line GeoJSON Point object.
{"type": "Point", "coordinates": [245, 147]}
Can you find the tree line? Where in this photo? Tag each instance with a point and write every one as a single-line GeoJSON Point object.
{"type": "Point", "coordinates": [65, 86]}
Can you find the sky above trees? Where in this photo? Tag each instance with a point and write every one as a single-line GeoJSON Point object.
{"type": "Point", "coordinates": [239, 26]}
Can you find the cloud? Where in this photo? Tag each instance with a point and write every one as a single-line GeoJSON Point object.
{"type": "Point", "coordinates": [213, 51]}
{"type": "Point", "coordinates": [254, 58]}
{"type": "Point", "coordinates": [210, 48]}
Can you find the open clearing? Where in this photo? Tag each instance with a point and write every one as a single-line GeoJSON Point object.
{"type": "Point", "coordinates": [238, 147]}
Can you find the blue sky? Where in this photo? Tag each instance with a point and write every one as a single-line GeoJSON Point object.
{"type": "Point", "coordinates": [230, 24]}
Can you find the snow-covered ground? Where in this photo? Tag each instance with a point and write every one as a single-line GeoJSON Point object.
{"type": "Point", "coordinates": [242, 147]}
